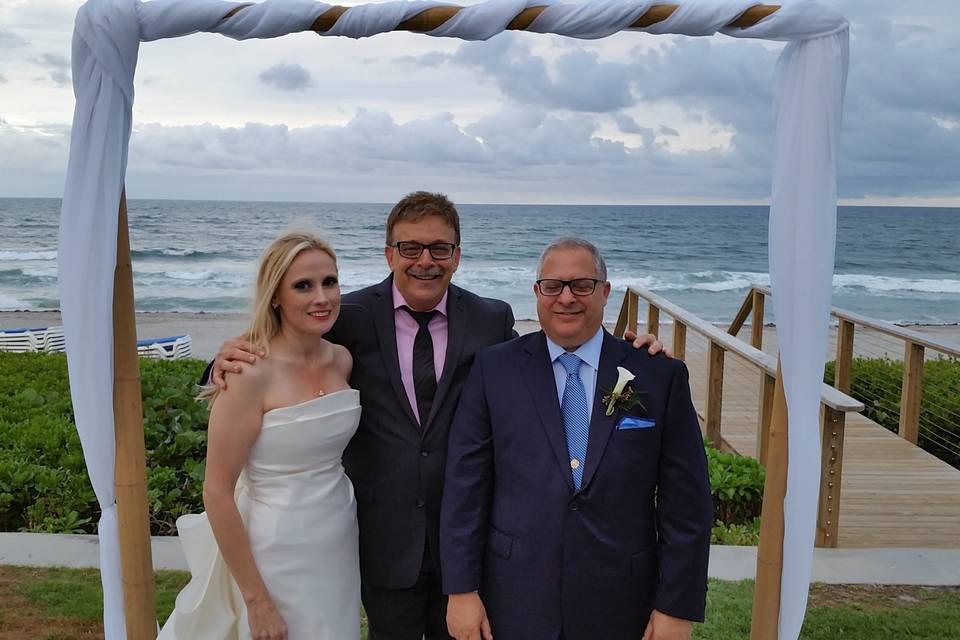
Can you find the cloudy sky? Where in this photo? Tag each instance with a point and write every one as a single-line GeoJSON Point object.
{"type": "Point", "coordinates": [633, 118]}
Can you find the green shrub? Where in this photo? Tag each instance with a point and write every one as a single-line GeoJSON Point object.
{"type": "Point", "coordinates": [43, 478]}
{"type": "Point", "coordinates": [876, 382]}
{"type": "Point", "coordinates": [737, 486]}
{"type": "Point", "coordinates": [738, 534]}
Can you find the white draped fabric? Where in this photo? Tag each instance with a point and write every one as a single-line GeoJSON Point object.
{"type": "Point", "coordinates": [810, 79]}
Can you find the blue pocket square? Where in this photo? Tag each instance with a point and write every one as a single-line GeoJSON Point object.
{"type": "Point", "coordinates": [630, 422]}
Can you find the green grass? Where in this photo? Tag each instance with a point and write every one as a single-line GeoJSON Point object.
{"type": "Point", "coordinates": [851, 612]}
{"type": "Point", "coordinates": [76, 593]}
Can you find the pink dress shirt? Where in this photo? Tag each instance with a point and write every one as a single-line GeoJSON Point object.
{"type": "Point", "coordinates": [407, 328]}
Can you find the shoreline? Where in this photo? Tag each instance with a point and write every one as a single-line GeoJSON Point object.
{"type": "Point", "coordinates": [208, 329]}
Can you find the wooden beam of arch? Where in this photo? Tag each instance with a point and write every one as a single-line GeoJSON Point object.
{"type": "Point", "coordinates": [430, 19]}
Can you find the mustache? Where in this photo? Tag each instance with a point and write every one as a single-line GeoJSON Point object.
{"type": "Point", "coordinates": [426, 273]}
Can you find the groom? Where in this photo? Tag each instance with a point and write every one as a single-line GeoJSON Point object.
{"type": "Point", "coordinates": [413, 338]}
{"type": "Point", "coordinates": [567, 513]}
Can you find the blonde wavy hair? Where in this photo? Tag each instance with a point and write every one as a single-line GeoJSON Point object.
{"type": "Point", "coordinates": [264, 318]}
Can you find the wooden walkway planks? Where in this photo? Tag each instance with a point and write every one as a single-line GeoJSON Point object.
{"type": "Point", "coordinates": [893, 493]}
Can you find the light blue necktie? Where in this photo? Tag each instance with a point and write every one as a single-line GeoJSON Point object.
{"type": "Point", "coordinates": [576, 419]}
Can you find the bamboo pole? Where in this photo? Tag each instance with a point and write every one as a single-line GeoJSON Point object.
{"type": "Point", "coordinates": [766, 593]}
{"type": "Point", "coordinates": [432, 18]}
{"type": "Point", "coordinates": [130, 477]}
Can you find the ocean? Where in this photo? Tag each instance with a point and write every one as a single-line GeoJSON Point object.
{"type": "Point", "coordinates": [895, 263]}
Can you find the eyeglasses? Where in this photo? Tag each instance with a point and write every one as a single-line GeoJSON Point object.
{"type": "Point", "coordinates": [578, 286]}
{"type": "Point", "coordinates": [413, 250]}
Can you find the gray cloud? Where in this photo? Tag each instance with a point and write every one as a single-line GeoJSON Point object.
{"type": "Point", "coordinates": [532, 123]}
{"type": "Point", "coordinates": [560, 156]}
{"type": "Point", "coordinates": [59, 67]}
{"type": "Point", "coordinates": [429, 59]}
{"type": "Point", "coordinates": [3, 79]}
{"type": "Point", "coordinates": [581, 83]}
{"type": "Point", "coordinates": [10, 39]}
{"type": "Point", "coordinates": [287, 77]}
{"type": "Point", "coordinates": [894, 143]}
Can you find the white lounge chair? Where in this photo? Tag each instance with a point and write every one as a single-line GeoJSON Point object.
{"type": "Point", "coordinates": [32, 339]}
{"type": "Point", "coordinates": [169, 348]}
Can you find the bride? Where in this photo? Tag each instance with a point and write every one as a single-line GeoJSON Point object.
{"type": "Point", "coordinates": [274, 557]}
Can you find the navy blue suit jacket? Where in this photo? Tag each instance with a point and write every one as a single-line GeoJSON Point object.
{"type": "Point", "coordinates": [544, 557]}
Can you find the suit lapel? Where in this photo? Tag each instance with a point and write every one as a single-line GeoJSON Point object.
{"type": "Point", "coordinates": [538, 375]}
{"type": "Point", "coordinates": [612, 353]}
{"type": "Point", "coordinates": [456, 330]}
{"type": "Point", "coordinates": [383, 319]}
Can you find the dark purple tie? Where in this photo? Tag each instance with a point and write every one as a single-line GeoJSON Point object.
{"type": "Point", "coordinates": [424, 373]}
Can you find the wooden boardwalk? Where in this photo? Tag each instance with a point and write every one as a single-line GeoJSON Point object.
{"type": "Point", "coordinates": [893, 494]}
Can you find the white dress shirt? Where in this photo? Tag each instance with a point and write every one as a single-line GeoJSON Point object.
{"type": "Point", "coordinates": [589, 353]}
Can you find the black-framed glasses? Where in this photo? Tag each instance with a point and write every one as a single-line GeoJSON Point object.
{"type": "Point", "coordinates": [413, 250]}
{"type": "Point", "coordinates": [578, 286]}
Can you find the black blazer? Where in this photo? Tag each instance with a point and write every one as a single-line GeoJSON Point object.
{"type": "Point", "coordinates": [546, 557]}
{"type": "Point", "coordinates": [396, 467]}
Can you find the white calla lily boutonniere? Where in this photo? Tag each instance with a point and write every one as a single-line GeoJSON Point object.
{"type": "Point", "coordinates": [621, 396]}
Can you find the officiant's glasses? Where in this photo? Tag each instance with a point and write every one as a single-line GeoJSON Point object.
{"type": "Point", "coordinates": [578, 286]}
{"type": "Point", "coordinates": [413, 250]}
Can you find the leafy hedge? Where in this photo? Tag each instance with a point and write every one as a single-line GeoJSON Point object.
{"type": "Point", "coordinates": [43, 479]}
{"type": "Point", "coordinates": [877, 384]}
{"type": "Point", "coordinates": [737, 486]}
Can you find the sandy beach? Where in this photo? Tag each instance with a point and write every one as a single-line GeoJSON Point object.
{"type": "Point", "coordinates": [208, 330]}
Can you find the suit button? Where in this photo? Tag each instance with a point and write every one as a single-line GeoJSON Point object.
{"type": "Point", "coordinates": [420, 503]}
{"type": "Point", "coordinates": [424, 454]}
{"type": "Point", "coordinates": [573, 505]}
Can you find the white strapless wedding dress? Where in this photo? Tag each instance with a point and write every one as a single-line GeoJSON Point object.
{"type": "Point", "coordinates": [301, 517]}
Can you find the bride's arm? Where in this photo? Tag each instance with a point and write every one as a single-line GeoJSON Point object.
{"type": "Point", "coordinates": [234, 426]}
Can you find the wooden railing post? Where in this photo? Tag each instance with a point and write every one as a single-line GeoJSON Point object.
{"type": "Point", "coordinates": [621, 325]}
{"type": "Point", "coordinates": [843, 366]}
{"type": "Point", "coordinates": [653, 319]}
{"type": "Point", "coordinates": [911, 392]}
{"type": "Point", "coordinates": [767, 384]}
{"type": "Point", "coordinates": [831, 472]}
{"type": "Point", "coordinates": [130, 476]}
{"type": "Point", "coordinates": [756, 325]}
{"type": "Point", "coordinates": [742, 314]}
{"type": "Point", "coordinates": [679, 340]}
{"type": "Point", "coordinates": [715, 394]}
{"type": "Point", "coordinates": [633, 302]}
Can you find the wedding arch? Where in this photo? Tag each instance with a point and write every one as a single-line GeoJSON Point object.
{"type": "Point", "coordinates": [96, 291]}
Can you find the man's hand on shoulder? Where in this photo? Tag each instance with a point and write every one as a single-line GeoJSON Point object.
{"type": "Point", "coordinates": [233, 352]}
{"type": "Point", "coordinates": [467, 617]}
{"type": "Point", "coordinates": [641, 341]}
{"type": "Point", "coordinates": [664, 627]}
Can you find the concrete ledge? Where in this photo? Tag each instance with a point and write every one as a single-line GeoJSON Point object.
{"type": "Point", "coordinates": [927, 567]}
{"type": "Point", "coordinates": [77, 551]}
{"type": "Point", "coordinates": [930, 567]}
